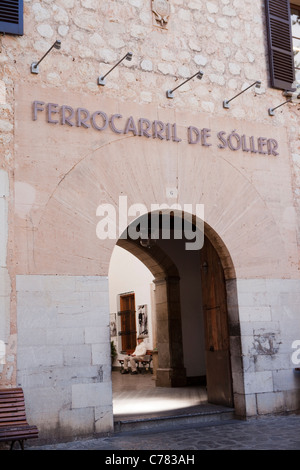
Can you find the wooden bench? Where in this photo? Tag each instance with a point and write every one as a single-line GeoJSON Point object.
{"type": "Point", "coordinates": [142, 364]}
{"type": "Point", "coordinates": [13, 423]}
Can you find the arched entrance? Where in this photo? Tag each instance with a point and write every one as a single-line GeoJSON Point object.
{"type": "Point", "coordinates": [215, 289]}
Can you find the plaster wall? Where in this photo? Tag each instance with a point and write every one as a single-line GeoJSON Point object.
{"type": "Point", "coordinates": [62, 177]}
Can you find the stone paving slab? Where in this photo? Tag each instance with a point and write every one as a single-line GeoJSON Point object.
{"type": "Point", "coordinates": [264, 433]}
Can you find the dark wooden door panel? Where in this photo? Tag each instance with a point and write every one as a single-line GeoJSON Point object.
{"type": "Point", "coordinates": [128, 321]}
{"type": "Point", "coordinates": [218, 371]}
{"type": "Point", "coordinates": [219, 381]}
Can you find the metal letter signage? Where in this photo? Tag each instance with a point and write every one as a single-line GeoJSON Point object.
{"type": "Point", "coordinates": [63, 115]}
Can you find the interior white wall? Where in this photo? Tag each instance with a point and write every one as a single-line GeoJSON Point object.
{"type": "Point", "coordinates": [188, 265]}
{"type": "Point", "coordinates": [128, 274]}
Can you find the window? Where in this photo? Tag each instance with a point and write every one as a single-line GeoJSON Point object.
{"type": "Point", "coordinates": [280, 44]}
{"type": "Point", "coordinates": [11, 17]}
{"type": "Point", "coordinates": [295, 16]}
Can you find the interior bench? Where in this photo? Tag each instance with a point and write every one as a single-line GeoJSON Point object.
{"type": "Point", "coordinates": [13, 422]}
{"type": "Point", "coordinates": [142, 364]}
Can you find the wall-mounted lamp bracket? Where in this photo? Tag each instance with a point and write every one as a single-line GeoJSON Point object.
{"type": "Point", "coordinates": [271, 110]}
{"type": "Point", "coordinates": [226, 102]}
{"type": "Point", "coordinates": [101, 80]}
{"type": "Point", "coordinates": [34, 68]}
{"type": "Point", "coordinates": [294, 92]}
{"type": "Point", "coordinates": [169, 93]}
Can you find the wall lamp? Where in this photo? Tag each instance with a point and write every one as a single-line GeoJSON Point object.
{"type": "Point", "coordinates": [271, 110]}
{"type": "Point", "coordinates": [294, 95]}
{"type": "Point", "coordinates": [169, 93]}
{"type": "Point", "coordinates": [226, 102]}
{"type": "Point", "coordinates": [127, 56]}
{"type": "Point", "coordinates": [35, 65]}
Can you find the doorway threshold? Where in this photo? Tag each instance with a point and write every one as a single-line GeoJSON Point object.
{"type": "Point", "coordinates": [139, 404]}
{"type": "Point", "coordinates": [202, 414]}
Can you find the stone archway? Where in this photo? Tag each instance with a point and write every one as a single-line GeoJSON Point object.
{"type": "Point", "coordinates": [171, 371]}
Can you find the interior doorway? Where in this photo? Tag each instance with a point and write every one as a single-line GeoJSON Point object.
{"type": "Point", "coordinates": [176, 321]}
{"type": "Point", "coordinates": [127, 316]}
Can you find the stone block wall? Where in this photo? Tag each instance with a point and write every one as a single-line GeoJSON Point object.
{"type": "Point", "coordinates": [6, 339]}
{"type": "Point", "coordinates": [64, 363]}
{"type": "Point", "coordinates": [269, 322]}
{"type": "Point", "coordinates": [226, 40]}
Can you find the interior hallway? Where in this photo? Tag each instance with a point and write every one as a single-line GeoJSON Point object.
{"type": "Point", "coordinates": [137, 397]}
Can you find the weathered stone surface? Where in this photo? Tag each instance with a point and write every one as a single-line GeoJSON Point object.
{"type": "Point", "coordinates": [64, 343]}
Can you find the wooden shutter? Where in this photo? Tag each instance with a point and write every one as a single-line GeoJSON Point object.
{"type": "Point", "coordinates": [281, 57]}
{"type": "Point", "coordinates": [11, 16]}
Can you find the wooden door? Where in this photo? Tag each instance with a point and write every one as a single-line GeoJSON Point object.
{"type": "Point", "coordinates": [218, 370]}
{"type": "Point", "coordinates": [128, 322]}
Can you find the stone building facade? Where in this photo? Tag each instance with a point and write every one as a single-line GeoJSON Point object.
{"type": "Point", "coordinates": [70, 145]}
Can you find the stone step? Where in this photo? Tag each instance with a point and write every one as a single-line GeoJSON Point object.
{"type": "Point", "coordinates": [196, 416]}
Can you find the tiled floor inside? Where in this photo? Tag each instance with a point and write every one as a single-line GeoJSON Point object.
{"type": "Point", "coordinates": [137, 396]}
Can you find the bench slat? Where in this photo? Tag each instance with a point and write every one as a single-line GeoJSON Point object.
{"type": "Point", "coordinates": [5, 404]}
{"type": "Point", "coordinates": [19, 417]}
{"type": "Point", "coordinates": [11, 392]}
{"type": "Point", "coordinates": [15, 433]}
{"type": "Point", "coordinates": [13, 401]}
{"type": "Point", "coordinates": [6, 411]}
{"type": "Point", "coordinates": [15, 395]}
{"type": "Point", "coordinates": [13, 423]}
{"type": "Point", "coordinates": [17, 411]}
{"type": "Point", "coordinates": [12, 420]}
{"type": "Point", "coordinates": [23, 431]}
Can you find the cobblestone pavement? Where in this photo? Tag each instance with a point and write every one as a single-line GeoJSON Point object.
{"type": "Point", "coordinates": [265, 433]}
